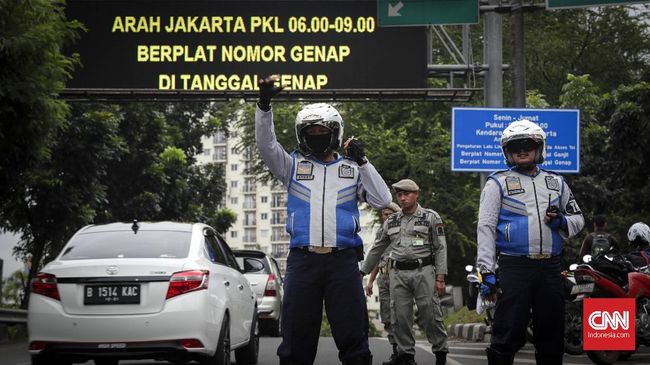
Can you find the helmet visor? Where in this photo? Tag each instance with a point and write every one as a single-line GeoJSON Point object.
{"type": "Point", "coordinates": [522, 145]}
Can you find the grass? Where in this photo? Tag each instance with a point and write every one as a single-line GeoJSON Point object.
{"type": "Point", "coordinates": [463, 315]}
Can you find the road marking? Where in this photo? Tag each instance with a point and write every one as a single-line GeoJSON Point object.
{"type": "Point", "coordinates": [517, 361]}
{"type": "Point", "coordinates": [472, 348]}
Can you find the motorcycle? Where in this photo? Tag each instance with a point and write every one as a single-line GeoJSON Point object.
{"type": "Point", "coordinates": [613, 276]}
{"type": "Point", "coordinates": [572, 316]}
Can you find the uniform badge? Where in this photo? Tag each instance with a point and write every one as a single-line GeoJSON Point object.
{"type": "Point", "coordinates": [346, 172]}
{"type": "Point", "coordinates": [422, 222]}
{"type": "Point", "coordinates": [305, 171]}
{"type": "Point", "coordinates": [552, 183]}
{"type": "Point", "coordinates": [440, 229]}
{"type": "Point", "coordinates": [513, 185]}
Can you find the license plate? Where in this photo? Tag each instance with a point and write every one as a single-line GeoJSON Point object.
{"type": "Point", "coordinates": [582, 288]}
{"type": "Point", "coordinates": [112, 294]}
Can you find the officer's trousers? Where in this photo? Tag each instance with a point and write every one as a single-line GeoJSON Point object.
{"type": "Point", "coordinates": [383, 282]}
{"type": "Point", "coordinates": [407, 286]}
{"type": "Point", "coordinates": [334, 279]}
{"type": "Point", "coordinates": [529, 284]}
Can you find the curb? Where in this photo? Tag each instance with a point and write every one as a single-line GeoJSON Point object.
{"type": "Point", "coordinates": [468, 331]}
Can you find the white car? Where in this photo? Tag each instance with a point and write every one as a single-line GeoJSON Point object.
{"type": "Point", "coordinates": [163, 291]}
{"type": "Point", "coordinates": [263, 273]}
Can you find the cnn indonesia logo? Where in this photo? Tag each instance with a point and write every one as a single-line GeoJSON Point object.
{"type": "Point", "coordinates": [609, 324]}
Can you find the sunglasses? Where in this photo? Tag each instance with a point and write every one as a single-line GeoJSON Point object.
{"type": "Point", "coordinates": [522, 145]}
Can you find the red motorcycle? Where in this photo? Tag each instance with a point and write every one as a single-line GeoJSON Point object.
{"type": "Point", "coordinates": [614, 276]}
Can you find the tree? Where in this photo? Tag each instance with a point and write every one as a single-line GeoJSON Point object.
{"type": "Point", "coordinates": [32, 71]}
{"type": "Point", "coordinates": [13, 288]}
{"type": "Point", "coordinates": [609, 43]}
{"type": "Point", "coordinates": [63, 191]}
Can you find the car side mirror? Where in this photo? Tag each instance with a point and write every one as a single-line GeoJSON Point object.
{"type": "Point", "coordinates": [252, 265]}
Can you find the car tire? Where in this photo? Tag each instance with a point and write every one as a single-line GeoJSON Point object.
{"type": "Point", "coordinates": [271, 327]}
{"type": "Point", "coordinates": [222, 354]}
{"type": "Point", "coordinates": [603, 357]}
{"type": "Point", "coordinates": [274, 328]}
{"type": "Point", "coordinates": [248, 354]}
{"type": "Point", "coordinates": [106, 361]}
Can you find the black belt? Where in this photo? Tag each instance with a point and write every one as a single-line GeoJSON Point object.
{"type": "Point", "coordinates": [414, 264]}
{"type": "Point", "coordinates": [317, 249]}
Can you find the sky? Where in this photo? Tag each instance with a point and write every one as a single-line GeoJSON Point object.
{"type": "Point", "coordinates": [10, 264]}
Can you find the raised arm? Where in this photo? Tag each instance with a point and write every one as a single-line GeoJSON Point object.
{"type": "Point", "coordinates": [273, 154]}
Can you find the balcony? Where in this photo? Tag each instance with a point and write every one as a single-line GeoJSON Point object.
{"type": "Point", "coordinates": [250, 205]}
{"type": "Point", "coordinates": [278, 221]}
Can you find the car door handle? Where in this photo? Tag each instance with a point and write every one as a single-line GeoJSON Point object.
{"type": "Point", "coordinates": [226, 283]}
{"type": "Point", "coordinates": [240, 287]}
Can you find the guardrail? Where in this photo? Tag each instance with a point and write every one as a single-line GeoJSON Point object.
{"type": "Point", "coordinates": [13, 316]}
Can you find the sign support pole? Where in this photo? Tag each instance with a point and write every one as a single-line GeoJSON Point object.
{"type": "Point", "coordinates": [518, 58]}
{"type": "Point", "coordinates": [493, 54]}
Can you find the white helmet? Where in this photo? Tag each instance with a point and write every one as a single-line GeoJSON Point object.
{"type": "Point", "coordinates": [639, 234]}
{"type": "Point", "coordinates": [524, 129]}
{"type": "Point", "coordinates": [319, 114]}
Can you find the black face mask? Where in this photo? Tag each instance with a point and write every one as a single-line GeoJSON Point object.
{"type": "Point", "coordinates": [318, 143]}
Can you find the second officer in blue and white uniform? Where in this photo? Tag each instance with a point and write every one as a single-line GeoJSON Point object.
{"type": "Point", "coordinates": [525, 214]}
{"type": "Point", "coordinates": [323, 221]}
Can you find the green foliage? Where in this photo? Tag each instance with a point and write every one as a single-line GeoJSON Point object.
{"type": "Point", "coordinates": [13, 289]}
{"type": "Point", "coordinates": [463, 315]}
{"type": "Point", "coordinates": [325, 329]}
{"type": "Point", "coordinates": [536, 100]}
{"type": "Point", "coordinates": [373, 331]}
{"type": "Point", "coordinates": [615, 175]}
{"type": "Point", "coordinates": [32, 71]}
{"type": "Point", "coordinates": [609, 43]}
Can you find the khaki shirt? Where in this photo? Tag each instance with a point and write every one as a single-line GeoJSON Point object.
{"type": "Point", "coordinates": [410, 237]}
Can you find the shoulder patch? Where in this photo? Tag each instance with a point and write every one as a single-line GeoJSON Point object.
{"type": "Point", "coordinates": [513, 185]}
{"type": "Point", "coordinates": [440, 229]}
{"type": "Point", "coordinates": [572, 207]}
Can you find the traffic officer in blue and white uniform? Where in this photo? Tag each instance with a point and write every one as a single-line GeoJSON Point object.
{"type": "Point", "coordinates": [323, 221]}
{"type": "Point", "coordinates": [525, 214]}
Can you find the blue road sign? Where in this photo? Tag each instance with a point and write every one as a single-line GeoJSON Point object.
{"type": "Point", "coordinates": [475, 134]}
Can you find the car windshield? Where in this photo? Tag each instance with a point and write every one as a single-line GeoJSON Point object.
{"type": "Point", "coordinates": [126, 244]}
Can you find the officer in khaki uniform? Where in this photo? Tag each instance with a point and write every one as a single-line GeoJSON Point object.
{"type": "Point", "coordinates": [418, 257]}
